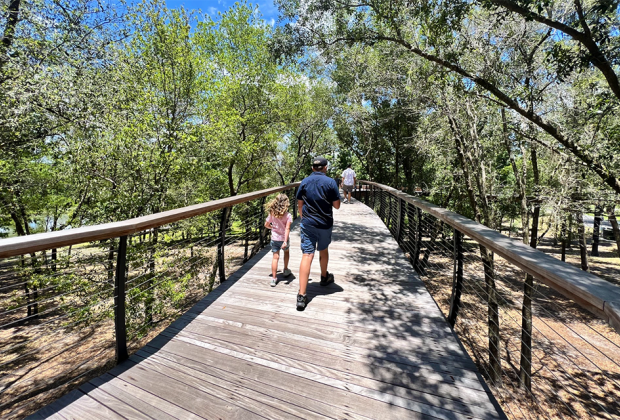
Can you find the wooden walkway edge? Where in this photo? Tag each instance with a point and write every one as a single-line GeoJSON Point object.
{"type": "Point", "coordinates": [374, 345]}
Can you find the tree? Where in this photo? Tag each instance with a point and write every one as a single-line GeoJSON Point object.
{"type": "Point", "coordinates": [440, 33]}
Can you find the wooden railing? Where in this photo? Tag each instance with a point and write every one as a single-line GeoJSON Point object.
{"type": "Point", "coordinates": [26, 244]}
{"type": "Point", "coordinates": [545, 358]}
{"type": "Point", "coordinates": [74, 301]}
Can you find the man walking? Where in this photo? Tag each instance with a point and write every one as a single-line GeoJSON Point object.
{"type": "Point", "coordinates": [348, 183]}
{"type": "Point", "coordinates": [316, 197]}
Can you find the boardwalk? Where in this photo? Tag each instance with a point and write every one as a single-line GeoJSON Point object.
{"type": "Point", "coordinates": [373, 345]}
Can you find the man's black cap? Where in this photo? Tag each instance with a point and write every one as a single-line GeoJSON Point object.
{"type": "Point", "coordinates": [319, 161]}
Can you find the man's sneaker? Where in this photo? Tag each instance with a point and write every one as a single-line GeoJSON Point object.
{"type": "Point", "coordinates": [328, 279]}
{"type": "Point", "coordinates": [274, 281]}
{"type": "Point", "coordinates": [302, 301]}
{"type": "Point", "coordinates": [287, 272]}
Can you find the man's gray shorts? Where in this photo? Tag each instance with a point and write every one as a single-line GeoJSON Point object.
{"type": "Point", "coordinates": [347, 188]}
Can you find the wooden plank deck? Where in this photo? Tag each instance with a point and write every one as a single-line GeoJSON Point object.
{"type": "Point", "coordinates": [372, 345]}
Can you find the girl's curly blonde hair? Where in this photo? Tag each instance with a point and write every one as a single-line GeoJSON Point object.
{"type": "Point", "coordinates": [278, 206]}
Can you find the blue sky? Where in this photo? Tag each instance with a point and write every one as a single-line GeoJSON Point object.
{"type": "Point", "coordinates": [211, 7]}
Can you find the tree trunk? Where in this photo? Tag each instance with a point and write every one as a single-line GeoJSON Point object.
{"type": "Point", "coordinates": [597, 230]}
{"type": "Point", "coordinates": [9, 30]}
{"type": "Point", "coordinates": [614, 226]}
{"type": "Point", "coordinates": [570, 231]}
{"type": "Point", "coordinates": [54, 258]}
{"type": "Point", "coordinates": [525, 363]}
{"type": "Point", "coordinates": [110, 262]}
{"type": "Point", "coordinates": [583, 250]}
{"type": "Point", "coordinates": [246, 242]}
{"type": "Point", "coordinates": [563, 238]}
{"type": "Point", "coordinates": [150, 293]}
{"type": "Point", "coordinates": [484, 210]}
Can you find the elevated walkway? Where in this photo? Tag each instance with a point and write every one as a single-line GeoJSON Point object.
{"type": "Point", "coordinates": [372, 345]}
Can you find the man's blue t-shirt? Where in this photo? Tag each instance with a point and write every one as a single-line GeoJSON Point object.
{"type": "Point", "coordinates": [318, 192]}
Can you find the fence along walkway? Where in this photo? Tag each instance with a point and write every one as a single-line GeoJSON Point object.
{"type": "Point", "coordinates": [372, 345]}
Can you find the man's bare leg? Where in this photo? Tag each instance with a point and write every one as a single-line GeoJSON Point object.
{"type": "Point", "coordinates": [323, 260]}
{"type": "Point", "coordinates": [304, 272]}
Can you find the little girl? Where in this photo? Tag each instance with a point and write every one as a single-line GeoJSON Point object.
{"type": "Point", "coordinates": [279, 221]}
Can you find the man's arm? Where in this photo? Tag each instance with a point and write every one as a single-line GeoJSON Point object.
{"type": "Point", "coordinates": [336, 195]}
{"type": "Point", "coordinates": [300, 205]}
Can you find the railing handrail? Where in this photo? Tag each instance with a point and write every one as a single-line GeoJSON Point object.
{"type": "Point", "coordinates": [599, 296]}
{"type": "Point", "coordinates": [21, 245]}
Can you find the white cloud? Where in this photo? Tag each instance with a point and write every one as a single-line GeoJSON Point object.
{"type": "Point", "coordinates": [267, 9]}
{"type": "Point", "coordinates": [212, 11]}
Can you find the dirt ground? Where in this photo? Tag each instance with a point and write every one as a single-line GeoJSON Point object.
{"type": "Point", "coordinates": [575, 356]}
{"type": "Point", "coordinates": [45, 357]}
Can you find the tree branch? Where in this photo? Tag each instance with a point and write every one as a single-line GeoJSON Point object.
{"type": "Point", "coordinates": [597, 58]}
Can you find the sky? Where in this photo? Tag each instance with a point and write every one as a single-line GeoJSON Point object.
{"type": "Point", "coordinates": [212, 7]}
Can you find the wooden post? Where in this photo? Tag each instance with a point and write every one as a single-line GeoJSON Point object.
{"type": "Point", "coordinates": [119, 302]}
{"type": "Point", "coordinates": [294, 201]}
{"type": "Point", "coordinates": [457, 278]}
{"type": "Point", "coordinates": [220, 248]}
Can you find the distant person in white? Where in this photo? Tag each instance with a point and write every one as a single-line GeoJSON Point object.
{"type": "Point", "coordinates": [348, 183]}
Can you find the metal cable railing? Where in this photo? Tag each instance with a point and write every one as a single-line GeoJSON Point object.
{"type": "Point", "coordinates": [74, 303]}
{"type": "Point", "coordinates": [540, 331]}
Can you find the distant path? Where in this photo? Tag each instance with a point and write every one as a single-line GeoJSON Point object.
{"type": "Point", "coordinates": [589, 222]}
{"type": "Point", "coordinates": [372, 345]}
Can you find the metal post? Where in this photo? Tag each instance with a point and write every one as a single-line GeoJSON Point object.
{"type": "Point", "coordinates": [389, 221]}
{"type": "Point", "coordinates": [457, 278]}
{"type": "Point", "coordinates": [372, 199]}
{"type": "Point", "coordinates": [261, 222]}
{"type": "Point", "coordinates": [400, 220]}
{"type": "Point", "coordinates": [418, 239]}
{"type": "Point", "coordinates": [220, 247]}
{"type": "Point", "coordinates": [119, 302]}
